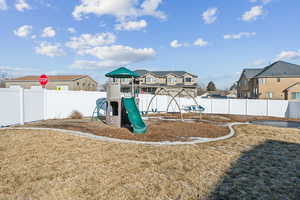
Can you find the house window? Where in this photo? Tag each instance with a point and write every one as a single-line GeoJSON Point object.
{"type": "Point", "coordinates": [262, 81]}
{"type": "Point", "coordinates": [172, 80]}
{"type": "Point", "coordinates": [269, 95]}
{"type": "Point", "coordinates": [150, 80]}
{"type": "Point", "coordinates": [255, 91]}
{"type": "Point", "coordinates": [77, 83]}
{"type": "Point", "coordinates": [295, 95]}
{"type": "Point", "coordinates": [125, 80]}
{"type": "Point", "coordinates": [278, 80]}
{"type": "Point", "coordinates": [188, 79]}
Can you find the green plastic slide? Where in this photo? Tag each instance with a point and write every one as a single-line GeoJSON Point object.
{"type": "Point", "coordinates": [134, 116]}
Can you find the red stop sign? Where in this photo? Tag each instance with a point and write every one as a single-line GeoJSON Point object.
{"type": "Point", "coordinates": [43, 80]}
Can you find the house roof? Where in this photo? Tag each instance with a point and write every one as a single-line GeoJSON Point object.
{"type": "Point", "coordinates": [50, 78]}
{"type": "Point", "coordinates": [291, 86]}
{"type": "Point", "coordinates": [250, 73]}
{"type": "Point", "coordinates": [122, 72]}
{"type": "Point", "coordinates": [163, 73]}
{"type": "Point", "coordinates": [280, 69]}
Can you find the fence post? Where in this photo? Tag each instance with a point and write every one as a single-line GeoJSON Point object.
{"type": "Point", "coordinates": [21, 93]}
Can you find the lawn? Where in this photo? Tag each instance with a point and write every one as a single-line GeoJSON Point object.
{"type": "Point", "coordinates": [258, 163]}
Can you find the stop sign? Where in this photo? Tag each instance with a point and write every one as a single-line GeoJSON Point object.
{"type": "Point", "coordinates": [43, 80]}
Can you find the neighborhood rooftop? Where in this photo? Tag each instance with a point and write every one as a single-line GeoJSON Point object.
{"type": "Point", "coordinates": [277, 69]}
{"type": "Point", "coordinates": [250, 73]}
{"type": "Point", "coordinates": [163, 73]}
{"type": "Point", "coordinates": [280, 69]}
{"type": "Point", "coordinates": [51, 78]}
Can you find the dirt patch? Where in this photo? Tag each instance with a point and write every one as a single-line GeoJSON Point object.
{"type": "Point", "coordinates": [158, 130]}
{"type": "Point", "coordinates": [220, 117]}
{"type": "Point", "coordinates": [258, 163]}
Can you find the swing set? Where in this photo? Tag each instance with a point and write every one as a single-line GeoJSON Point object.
{"type": "Point", "coordinates": [196, 108]}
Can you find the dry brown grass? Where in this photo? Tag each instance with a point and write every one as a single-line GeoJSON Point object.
{"type": "Point", "coordinates": [220, 117]}
{"type": "Point", "coordinates": [258, 163]}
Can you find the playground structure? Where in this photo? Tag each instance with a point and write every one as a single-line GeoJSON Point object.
{"type": "Point", "coordinates": [121, 110]}
{"type": "Point", "coordinates": [193, 108]}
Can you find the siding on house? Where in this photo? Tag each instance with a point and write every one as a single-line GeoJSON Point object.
{"type": "Point", "coordinates": [174, 81]}
{"type": "Point", "coordinates": [71, 82]}
{"type": "Point", "coordinates": [269, 82]}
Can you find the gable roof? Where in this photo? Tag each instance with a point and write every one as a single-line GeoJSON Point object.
{"type": "Point", "coordinates": [280, 69]}
{"type": "Point", "coordinates": [51, 78]}
{"type": "Point", "coordinates": [291, 86]}
{"type": "Point", "coordinates": [142, 72]}
{"type": "Point", "coordinates": [250, 73]}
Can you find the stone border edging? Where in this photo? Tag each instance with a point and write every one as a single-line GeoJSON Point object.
{"type": "Point", "coordinates": [195, 140]}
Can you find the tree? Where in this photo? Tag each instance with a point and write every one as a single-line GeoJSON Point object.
{"type": "Point", "coordinates": [211, 86]}
{"type": "Point", "coordinates": [233, 87]}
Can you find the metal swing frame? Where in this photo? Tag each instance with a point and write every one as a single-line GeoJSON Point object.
{"type": "Point", "coordinates": [173, 98]}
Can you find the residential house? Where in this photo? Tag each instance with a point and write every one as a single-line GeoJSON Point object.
{"type": "Point", "coordinates": [244, 83]}
{"type": "Point", "coordinates": [174, 81]}
{"type": "Point", "coordinates": [276, 81]}
{"type": "Point", "coordinates": [57, 82]}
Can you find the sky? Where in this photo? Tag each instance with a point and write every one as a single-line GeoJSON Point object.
{"type": "Point", "coordinates": [214, 39]}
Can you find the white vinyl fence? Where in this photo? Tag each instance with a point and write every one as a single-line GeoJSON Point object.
{"type": "Point", "coordinates": [18, 106]}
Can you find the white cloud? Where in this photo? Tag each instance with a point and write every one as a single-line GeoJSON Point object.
{"type": "Point", "coordinates": [113, 56]}
{"type": "Point", "coordinates": [175, 44]}
{"type": "Point", "coordinates": [3, 5]}
{"type": "Point", "coordinates": [87, 64]}
{"type": "Point", "coordinates": [121, 9]}
{"type": "Point", "coordinates": [200, 42]}
{"type": "Point", "coordinates": [48, 49]}
{"type": "Point", "coordinates": [131, 25]}
{"type": "Point", "coordinates": [85, 41]}
{"type": "Point", "coordinates": [239, 35]}
{"type": "Point", "coordinates": [150, 8]}
{"type": "Point", "coordinates": [22, 5]}
{"type": "Point", "coordinates": [262, 1]}
{"type": "Point", "coordinates": [23, 31]}
{"type": "Point", "coordinates": [72, 30]}
{"type": "Point", "coordinates": [210, 15]}
{"type": "Point", "coordinates": [48, 32]}
{"type": "Point", "coordinates": [288, 55]}
{"type": "Point", "coordinates": [253, 13]}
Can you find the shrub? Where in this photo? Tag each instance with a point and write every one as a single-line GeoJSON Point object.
{"type": "Point", "coordinates": [76, 115]}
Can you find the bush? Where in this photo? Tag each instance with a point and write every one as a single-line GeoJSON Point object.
{"type": "Point", "coordinates": [76, 115]}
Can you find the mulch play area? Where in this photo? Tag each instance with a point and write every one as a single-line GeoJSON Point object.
{"type": "Point", "coordinates": [158, 130]}
{"type": "Point", "coordinates": [204, 126]}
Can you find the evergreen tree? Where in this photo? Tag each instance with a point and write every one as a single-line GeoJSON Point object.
{"type": "Point", "coordinates": [211, 86]}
